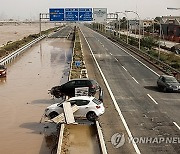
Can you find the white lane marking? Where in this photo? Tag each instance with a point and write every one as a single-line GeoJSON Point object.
{"type": "Point", "coordinates": [152, 99]}
{"type": "Point", "coordinates": [110, 54]}
{"type": "Point", "coordinates": [176, 125]}
{"type": "Point", "coordinates": [114, 101]}
{"type": "Point", "coordinates": [124, 68]}
{"type": "Point", "coordinates": [130, 75]}
{"type": "Point", "coordinates": [135, 80]}
{"type": "Point", "coordinates": [116, 59]}
{"type": "Point", "coordinates": [130, 54]}
{"type": "Point", "coordinates": [102, 45]}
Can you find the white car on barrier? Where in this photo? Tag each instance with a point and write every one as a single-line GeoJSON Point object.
{"type": "Point", "coordinates": [89, 107]}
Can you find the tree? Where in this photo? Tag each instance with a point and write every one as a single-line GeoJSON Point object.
{"type": "Point", "coordinates": [123, 23]}
{"type": "Point", "coordinates": [148, 42]}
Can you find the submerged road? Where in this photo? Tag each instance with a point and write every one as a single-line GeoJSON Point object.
{"type": "Point", "coordinates": [24, 96]}
{"type": "Point", "coordinates": [147, 112]}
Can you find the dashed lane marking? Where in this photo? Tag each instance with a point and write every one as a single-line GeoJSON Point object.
{"type": "Point", "coordinates": [116, 59]}
{"type": "Point", "coordinates": [135, 80]}
{"type": "Point", "coordinates": [129, 54]}
{"type": "Point", "coordinates": [176, 125]}
{"type": "Point", "coordinates": [152, 99]}
{"type": "Point", "coordinates": [124, 68]}
{"type": "Point", "coordinates": [114, 100]}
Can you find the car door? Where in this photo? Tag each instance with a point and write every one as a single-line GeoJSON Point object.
{"type": "Point", "coordinates": [160, 82]}
{"type": "Point", "coordinates": [68, 88]}
{"type": "Point", "coordinates": [163, 82]}
{"type": "Point", "coordinates": [83, 107]}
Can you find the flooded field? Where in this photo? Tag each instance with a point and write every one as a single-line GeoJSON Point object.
{"type": "Point", "coordinates": [24, 96]}
{"type": "Point", "coordinates": [13, 32]}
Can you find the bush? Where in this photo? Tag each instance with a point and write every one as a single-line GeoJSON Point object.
{"type": "Point", "coordinates": [133, 41]}
{"type": "Point", "coordinates": [148, 42]}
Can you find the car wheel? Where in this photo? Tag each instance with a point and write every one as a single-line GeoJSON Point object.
{"type": "Point", "coordinates": [57, 95]}
{"type": "Point", "coordinates": [53, 115]}
{"type": "Point", "coordinates": [159, 88]}
{"type": "Point", "coordinates": [91, 116]}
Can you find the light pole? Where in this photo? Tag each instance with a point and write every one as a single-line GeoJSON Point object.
{"type": "Point", "coordinates": [159, 41]}
{"type": "Point", "coordinates": [160, 34]}
{"type": "Point", "coordinates": [139, 27]}
{"type": "Point", "coordinates": [120, 24]}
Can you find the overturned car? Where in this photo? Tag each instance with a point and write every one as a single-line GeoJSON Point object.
{"type": "Point", "coordinates": [68, 88]}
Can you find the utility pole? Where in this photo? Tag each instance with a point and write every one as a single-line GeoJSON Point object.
{"type": "Point", "coordinates": [139, 28]}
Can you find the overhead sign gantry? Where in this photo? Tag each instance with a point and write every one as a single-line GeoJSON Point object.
{"type": "Point", "coordinates": [70, 14]}
{"type": "Point", "coordinates": [98, 15]}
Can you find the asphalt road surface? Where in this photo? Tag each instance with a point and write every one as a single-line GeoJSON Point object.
{"type": "Point", "coordinates": [149, 114]}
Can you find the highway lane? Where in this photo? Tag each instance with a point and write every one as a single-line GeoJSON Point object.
{"type": "Point", "coordinates": [148, 112]}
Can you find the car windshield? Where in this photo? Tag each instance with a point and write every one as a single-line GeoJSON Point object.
{"type": "Point", "coordinates": [171, 80]}
{"type": "Point", "coordinates": [98, 102]}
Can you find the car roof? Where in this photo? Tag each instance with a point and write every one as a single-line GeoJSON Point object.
{"type": "Point", "coordinates": [82, 98]}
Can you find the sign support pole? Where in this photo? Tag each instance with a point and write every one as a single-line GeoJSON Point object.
{"type": "Point", "coordinates": [40, 24]}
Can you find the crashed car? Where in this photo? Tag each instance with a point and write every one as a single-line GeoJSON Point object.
{"type": "Point", "coordinates": [68, 88]}
{"type": "Point", "coordinates": [3, 71]}
{"type": "Point", "coordinates": [89, 107]}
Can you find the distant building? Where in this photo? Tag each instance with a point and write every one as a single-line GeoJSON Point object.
{"type": "Point", "coordinates": [171, 27]}
{"type": "Point", "coordinates": [147, 23]}
{"type": "Point", "coordinates": [134, 24]}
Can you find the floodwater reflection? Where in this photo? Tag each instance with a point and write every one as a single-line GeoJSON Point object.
{"type": "Point", "coordinates": [24, 96]}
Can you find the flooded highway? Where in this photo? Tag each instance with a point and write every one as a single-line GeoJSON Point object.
{"type": "Point", "coordinates": [24, 96]}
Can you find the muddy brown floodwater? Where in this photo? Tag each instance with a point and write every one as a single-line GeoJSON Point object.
{"type": "Point", "coordinates": [24, 96]}
{"type": "Point", "coordinates": [14, 32]}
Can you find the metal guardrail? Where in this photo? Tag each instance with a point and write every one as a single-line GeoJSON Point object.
{"type": "Point", "coordinates": [16, 53]}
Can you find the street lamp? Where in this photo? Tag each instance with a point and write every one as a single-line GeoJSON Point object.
{"type": "Point", "coordinates": [120, 24]}
{"type": "Point", "coordinates": [139, 27]}
{"type": "Point", "coordinates": [160, 30]}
